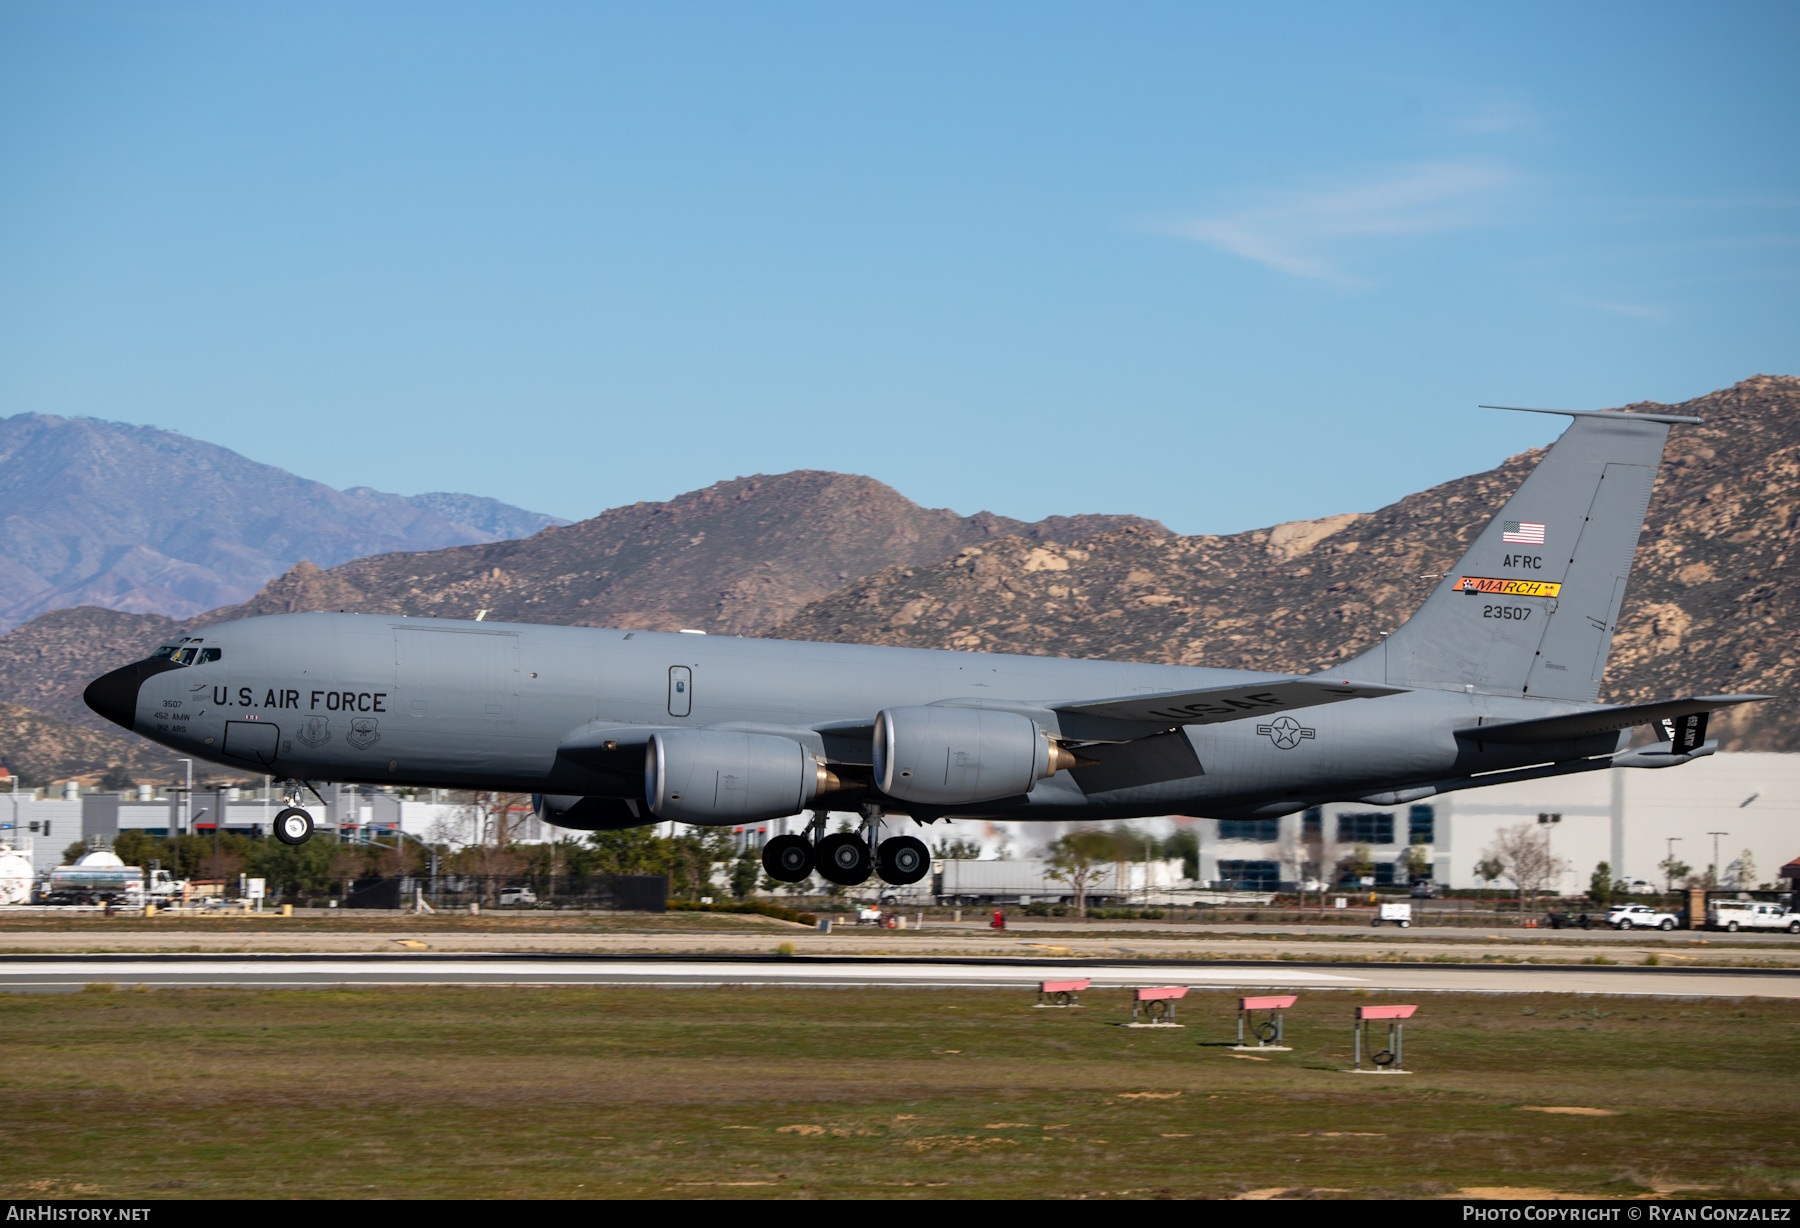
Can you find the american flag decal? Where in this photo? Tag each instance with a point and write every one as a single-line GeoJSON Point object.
{"type": "Point", "coordinates": [1522, 532]}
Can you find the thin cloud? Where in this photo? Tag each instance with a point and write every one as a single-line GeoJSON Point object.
{"type": "Point", "coordinates": [1637, 311]}
{"type": "Point", "coordinates": [1290, 231]}
{"type": "Point", "coordinates": [1496, 117]}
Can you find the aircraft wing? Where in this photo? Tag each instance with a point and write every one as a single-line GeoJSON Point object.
{"type": "Point", "coordinates": [1214, 705]}
{"type": "Point", "coordinates": [1601, 720]}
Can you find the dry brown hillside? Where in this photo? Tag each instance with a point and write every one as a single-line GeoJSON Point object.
{"type": "Point", "coordinates": [1711, 606]}
{"type": "Point", "coordinates": [40, 750]}
{"type": "Point", "coordinates": [45, 664]}
{"type": "Point", "coordinates": [734, 558]}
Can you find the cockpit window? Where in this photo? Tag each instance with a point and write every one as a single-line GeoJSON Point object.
{"type": "Point", "coordinates": [187, 651]}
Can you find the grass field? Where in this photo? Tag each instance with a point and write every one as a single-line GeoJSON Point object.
{"type": "Point", "coordinates": [688, 1093]}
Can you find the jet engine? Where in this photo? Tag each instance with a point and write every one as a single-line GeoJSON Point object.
{"type": "Point", "coordinates": [591, 813]}
{"type": "Point", "coordinates": [715, 776]}
{"type": "Point", "coordinates": [942, 756]}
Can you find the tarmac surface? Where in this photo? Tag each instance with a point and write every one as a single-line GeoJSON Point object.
{"type": "Point", "coordinates": [757, 936]}
{"type": "Point", "coordinates": [64, 973]}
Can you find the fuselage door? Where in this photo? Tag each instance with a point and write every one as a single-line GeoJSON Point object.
{"type": "Point", "coordinates": [457, 674]}
{"type": "Point", "coordinates": [681, 690]}
{"type": "Point", "coordinates": [252, 740]}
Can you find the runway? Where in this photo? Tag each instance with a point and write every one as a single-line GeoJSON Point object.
{"type": "Point", "coordinates": [62, 973]}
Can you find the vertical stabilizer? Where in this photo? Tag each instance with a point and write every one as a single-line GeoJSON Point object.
{"type": "Point", "coordinates": [1530, 609]}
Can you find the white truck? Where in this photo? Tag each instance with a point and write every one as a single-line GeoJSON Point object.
{"type": "Point", "coordinates": [1399, 914]}
{"type": "Point", "coordinates": [1735, 915]}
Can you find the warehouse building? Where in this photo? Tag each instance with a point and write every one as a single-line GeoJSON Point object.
{"type": "Point", "coordinates": [1632, 819]}
{"type": "Point", "coordinates": [43, 827]}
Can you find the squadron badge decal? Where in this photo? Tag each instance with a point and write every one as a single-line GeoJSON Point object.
{"type": "Point", "coordinates": [363, 733]}
{"type": "Point", "coordinates": [315, 731]}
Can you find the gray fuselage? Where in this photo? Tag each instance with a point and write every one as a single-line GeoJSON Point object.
{"type": "Point", "coordinates": [439, 703]}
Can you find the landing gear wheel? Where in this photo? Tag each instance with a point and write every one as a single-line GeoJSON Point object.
{"type": "Point", "coordinates": [788, 859]}
{"type": "Point", "coordinates": [844, 859]}
{"type": "Point", "coordinates": [1666, 924]}
{"type": "Point", "coordinates": [293, 826]}
{"type": "Point", "coordinates": [902, 860]}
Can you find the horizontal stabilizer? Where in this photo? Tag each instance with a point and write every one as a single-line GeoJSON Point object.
{"type": "Point", "coordinates": [1657, 757]}
{"type": "Point", "coordinates": [1600, 720]}
{"type": "Point", "coordinates": [1226, 703]}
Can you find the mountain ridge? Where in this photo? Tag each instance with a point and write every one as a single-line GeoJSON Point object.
{"type": "Point", "coordinates": [145, 520]}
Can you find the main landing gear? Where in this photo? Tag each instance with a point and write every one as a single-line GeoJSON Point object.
{"type": "Point", "coordinates": [847, 858]}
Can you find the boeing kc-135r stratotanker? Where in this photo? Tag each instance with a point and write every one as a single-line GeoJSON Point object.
{"type": "Point", "coordinates": [1493, 680]}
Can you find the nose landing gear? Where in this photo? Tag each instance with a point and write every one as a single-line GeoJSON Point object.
{"type": "Point", "coordinates": [293, 825]}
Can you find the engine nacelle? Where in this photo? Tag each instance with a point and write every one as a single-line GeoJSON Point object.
{"type": "Point", "coordinates": [591, 813]}
{"type": "Point", "coordinates": [943, 756]}
{"type": "Point", "coordinates": [715, 776]}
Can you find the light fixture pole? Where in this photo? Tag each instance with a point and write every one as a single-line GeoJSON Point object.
{"type": "Point", "coordinates": [1668, 863]}
{"type": "Point", "coordinates": [1713, 877]}
{"type": "Point", "coordinates": [187, 794]}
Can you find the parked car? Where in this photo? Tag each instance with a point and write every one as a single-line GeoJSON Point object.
{"type": "Point", "coordinates": [1734, 915]}
{"type": "Point", "coordinates": [1427, 891]}
{"type": "Point", "coordinates": [1640, 917]}
{"type": "Point", "coordinates": [514, 896]}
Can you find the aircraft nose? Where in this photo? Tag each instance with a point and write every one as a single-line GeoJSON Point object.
{"type": "Point", "coordinates": [114, 695]}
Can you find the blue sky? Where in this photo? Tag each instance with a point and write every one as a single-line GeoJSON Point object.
{"type": "Point", "coordinates": [1223, 265]}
